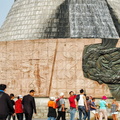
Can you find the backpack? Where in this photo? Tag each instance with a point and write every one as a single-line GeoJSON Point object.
{"type": "Point", "coordinates": [77, 97]}
{"type": "Point", "coordinates": [58, 103]}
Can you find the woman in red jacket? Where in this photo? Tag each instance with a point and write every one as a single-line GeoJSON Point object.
{"type": "Point", "coordinates": [19, 108]}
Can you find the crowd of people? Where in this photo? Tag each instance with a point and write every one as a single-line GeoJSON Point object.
{"type": "Point", "coordinates": [83, 104]}
{"type": "Point", "coordinates": [10, 108]}
{"type": "Point", "coordinates": [79, 103]}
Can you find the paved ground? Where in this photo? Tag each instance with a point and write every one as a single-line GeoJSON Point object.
{"type": "Point", "coordinates": [37, 119]}
{"type": "Point", "coordinates": [40, 119]}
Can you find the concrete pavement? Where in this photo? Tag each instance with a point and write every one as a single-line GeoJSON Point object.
{"type": "Point", "coordinates": [37, 119]}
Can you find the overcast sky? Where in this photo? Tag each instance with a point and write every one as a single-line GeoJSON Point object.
{"type": "Point", "coordinates": [5, 6]}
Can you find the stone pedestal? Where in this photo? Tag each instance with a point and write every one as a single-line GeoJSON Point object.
{"type": "Point", "coordinates": [42, 108]}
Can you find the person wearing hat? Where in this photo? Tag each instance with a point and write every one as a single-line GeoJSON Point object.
{"type": "Point", "coordinates": [103, 106]}
{"type": "Point", "coordinates": [19, 108]}
{"type": "Point", "coordinates": [61, 108]}
{"type": "Point", "coordinates": [51, 109]}
{"type": "Point", "coordinates": [5, 103]}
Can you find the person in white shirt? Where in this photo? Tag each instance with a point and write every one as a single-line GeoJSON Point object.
{"type": "Point", "coordinates": [82, 105]}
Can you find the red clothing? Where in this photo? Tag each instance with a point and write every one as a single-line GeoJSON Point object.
{"type": "Point", "coordinates": [72, 101]}
{"type": "Point", "coordinates": [18, 106]}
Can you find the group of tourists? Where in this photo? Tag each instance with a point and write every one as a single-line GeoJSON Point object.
{"type": "Point", "coordinates": [10, 108]}
{"type": "Point", "coordinates": [83, 104]}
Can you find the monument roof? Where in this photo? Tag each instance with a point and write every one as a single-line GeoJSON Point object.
{"type": "Point", "coordinates": [36, 19]}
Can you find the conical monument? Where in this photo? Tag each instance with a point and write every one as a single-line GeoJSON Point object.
{"type": "Point", "coordinates": [63, 19]}
{"type": "Point", "coordinates": [29, 19]}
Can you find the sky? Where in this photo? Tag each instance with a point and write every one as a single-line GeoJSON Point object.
{"type": "Point", "coordinates": [5, 6]}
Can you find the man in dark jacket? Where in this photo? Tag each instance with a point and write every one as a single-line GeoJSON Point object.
{"type": "Point", "coordinates": [5, 103]}
{"type": "Point", "coordinates": [29, 105]}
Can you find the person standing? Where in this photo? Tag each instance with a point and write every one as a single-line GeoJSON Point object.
{"type": "Point", "coordinates": [94, 109]}
{"type": "Point", "coordinates": [5, 103]}
{"type": "Point", "coordinates": [82, 105]}
{"type": "Point", "coordinates": [72, 101]}
{"type": "Point", "coordinates": [103, 108]}
{"type": "Point", "coordinates": [88, 101]}
{"type": "Point", "coordinates": [114, 109]}
{"type": "Point", "coordinates": [29, 105]}
{"type": "Point", "coordinates": [61, 108]}
{"type": "Point", "coordinates": [19, 108]}
{"type": "Point", "coordinates": [13, 104]}
{"type": "Point", "coordinates": [51, 109]}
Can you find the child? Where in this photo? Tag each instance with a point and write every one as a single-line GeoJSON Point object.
{"type": "Point", "coordinates": [51, 109]}
{"type": "Point", "coordinates": [94, 108]}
